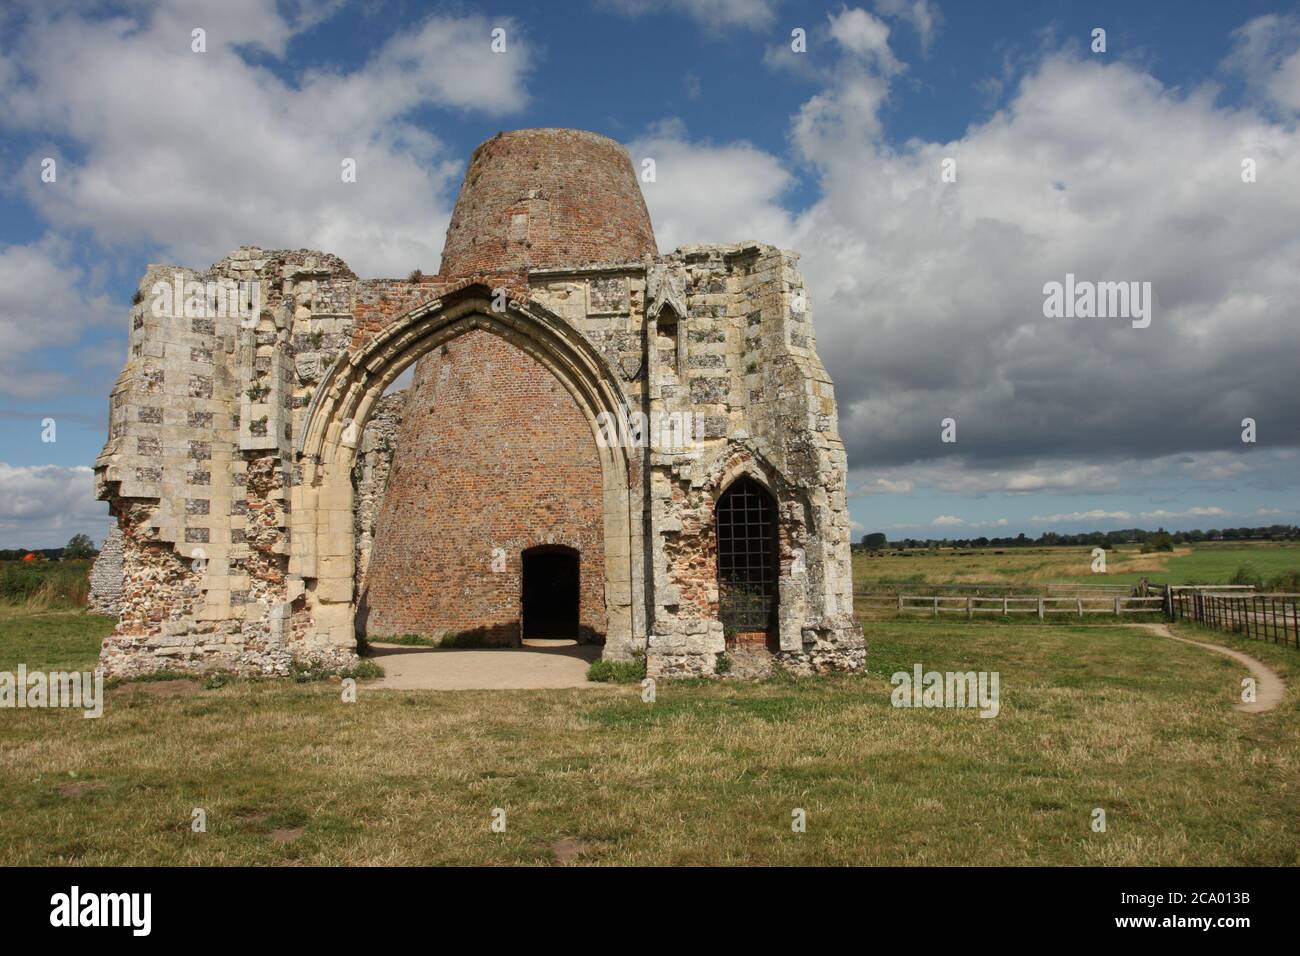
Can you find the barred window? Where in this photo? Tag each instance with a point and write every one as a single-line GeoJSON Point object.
{"type": "Point", "coordinates": [747, 558]}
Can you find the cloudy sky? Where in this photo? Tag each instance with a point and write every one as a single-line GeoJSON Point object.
{"type": "Point", "coordinates": [927, 295]}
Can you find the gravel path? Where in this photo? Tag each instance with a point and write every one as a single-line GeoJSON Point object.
{"type": "Point", "coordinates": [1268, 685]}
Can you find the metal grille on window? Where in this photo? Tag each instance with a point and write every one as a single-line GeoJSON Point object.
{"type": "Point", "coordinates": [747, 558]}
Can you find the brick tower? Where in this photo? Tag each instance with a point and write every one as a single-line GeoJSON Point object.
{"type": "Point", "coordinates": [493, 459]}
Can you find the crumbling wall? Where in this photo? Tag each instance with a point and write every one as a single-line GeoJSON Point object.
{"type": "Point", "coordinates": [201, 456]}
{"type": "Point", "coordinates": [105, 595]}
{"type": "Point", "coordinates": [370, 475]}
{"type": "Point", "coordinates": [732, 346]}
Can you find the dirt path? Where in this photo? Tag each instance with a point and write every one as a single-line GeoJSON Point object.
{"type": "Point", "coordinates": [1268, 685]}
{"type": "Point", "coordinates": [496, 668]}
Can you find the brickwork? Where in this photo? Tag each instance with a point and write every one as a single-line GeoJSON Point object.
{"type": "Point", "coordinates": [248, 455]}
{"type": "Point", "coordinates": [495, 458]}
{"type": "Point", "coordinates": [538, 198]}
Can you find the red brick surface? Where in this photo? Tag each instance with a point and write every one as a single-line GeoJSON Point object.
{"type": "Point", "coordinates": [547, 198]}
{"type": "Point", "coordinates": [493, 453]}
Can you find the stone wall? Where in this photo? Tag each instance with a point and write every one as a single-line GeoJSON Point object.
{"type": "Point", "coordinates": [247, 448]}
{"type": "Point", "coordinates": [106, 576]}
{"type": "Point", "coordinates": [370, 475]}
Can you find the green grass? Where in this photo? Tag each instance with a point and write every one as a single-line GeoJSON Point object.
{"type": "Point", "coordinates": [45, 584]}
{"type": "Point", "coordinates": [459, 639]}
{"type": "Point", "coordinates": [1027, 569]}
{"type": "Point", "coordinates": [1092, 716]}
{"type": "Point", "coordinates": [617, 672]}
{"type": "Point", "coordinates": [51, 640]}
{"type": "Point", "coordinates": [1216, 564]}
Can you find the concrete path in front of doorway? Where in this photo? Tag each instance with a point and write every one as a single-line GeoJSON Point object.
{"type": "Point", "coordinates": [491, 668]}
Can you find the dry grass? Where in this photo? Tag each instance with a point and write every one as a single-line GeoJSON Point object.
{"type": "Point", "coordinates": [709, 774]}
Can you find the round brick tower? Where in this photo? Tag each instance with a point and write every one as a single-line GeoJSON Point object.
{"type": "Point", "coordinates": [541, 198]}
{"type": "Point", "coordinates": [496, 470]}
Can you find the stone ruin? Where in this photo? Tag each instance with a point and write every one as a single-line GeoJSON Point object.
{"type": "Point", "coordinates": [599, 442]}
{"type": "Point", "coordinates": [105, 595]}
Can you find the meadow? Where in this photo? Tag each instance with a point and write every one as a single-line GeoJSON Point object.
{"type": "Point", "coordinates": [1091, 717]}
{"type": "Point", "coordinates": [1032, 567]}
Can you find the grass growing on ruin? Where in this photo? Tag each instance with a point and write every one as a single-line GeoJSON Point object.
{"type": "Point", "coordinates": [617, 672]}
{"type": "Point", "coordinates": [708, 774]}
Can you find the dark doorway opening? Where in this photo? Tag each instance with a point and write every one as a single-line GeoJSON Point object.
{"type": "Point", "coordinates": [550, 599]}
{"type": "Point", "coordinates": [748, 563]}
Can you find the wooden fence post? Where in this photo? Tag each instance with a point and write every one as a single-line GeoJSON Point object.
{"type": "Point", "coordinates": [970, 609]}
{"type": "Point", "coordinates": [1041, 609]}
{"type": "Point", "coordinates": [1117, 605]}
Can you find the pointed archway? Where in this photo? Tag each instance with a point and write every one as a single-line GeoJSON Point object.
{"type": "Point", "coordinates": [321, 565]}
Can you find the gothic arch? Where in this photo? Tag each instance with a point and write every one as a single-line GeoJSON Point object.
{"type": "Point", "coordinates": [321, 516]}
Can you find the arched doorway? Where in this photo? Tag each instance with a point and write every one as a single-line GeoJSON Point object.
{"type": "Point", "coordinates": [322, 564]}
{"type": "Point", "coordinates": [551, 578]}
{"type": "Point", "coordinates": [748, 563]}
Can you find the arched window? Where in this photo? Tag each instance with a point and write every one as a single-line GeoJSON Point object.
{"type": "Point", "coordinates": [745, 518]}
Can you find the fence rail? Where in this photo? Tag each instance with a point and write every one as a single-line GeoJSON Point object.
{"type": "Point", "coordinates": [1264, 617]}
{"type": "Point", "coordinates": [971, 605]}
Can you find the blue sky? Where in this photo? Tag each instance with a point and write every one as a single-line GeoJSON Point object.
{"type": "Point", "coordinates": [1121, 165]}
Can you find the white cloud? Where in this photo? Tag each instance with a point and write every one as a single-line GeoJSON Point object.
{"type": "Point", "coordinates": [969, 476]}
{"type": "Point", "coordinates": [45, 302]}
{"type": "Point", "coordinates": [43, 506]}
{"type": "Point", "coordinates": [927, 296]}
{"type": "Point", "coordinates": [863, 35]}
{"type": "Point", "coordinates": [947, 521]}
{"type": "Point", "coordinates": [1265, 52]}
{"type": "Point", "coordinates": [883, 486]}
{"type": "Point", "coordinates": [1159, 514]}
{"type": "Point", "coordinates": [712, 14]}
{"type": "Point", "coordinates": [199, 153]}
{"type": "Point", "coordinates": [924, 17]}
{"type": "Point", "coordinates": [708, 193]}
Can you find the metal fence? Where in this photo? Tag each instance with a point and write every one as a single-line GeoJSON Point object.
{"type": "Point", "coordinates": [1264, 617]}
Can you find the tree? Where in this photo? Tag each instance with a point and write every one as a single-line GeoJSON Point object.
{"type": "Point", "coordinates": [874, 541]}
{"type": "Point", "coordinates": [78, 546]}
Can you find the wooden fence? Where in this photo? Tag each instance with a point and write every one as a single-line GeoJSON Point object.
{"type": "Point", "coordinates": [1007, 605]}
{"type": "Point", "coordinates": [1264, 617]}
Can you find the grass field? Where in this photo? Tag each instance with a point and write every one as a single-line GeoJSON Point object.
{"type": "Point", "coordinates": [1091, 717]}
{"type": "Point", "coordinates": [1211, 563]}
{"type": "Point", "coordinates": [45, 584]}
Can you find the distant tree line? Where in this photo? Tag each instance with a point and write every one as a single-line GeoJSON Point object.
{"type": "Point", "coordinates": [79, 547]}
{"type": "Point", "coordinates": [1157, 540]}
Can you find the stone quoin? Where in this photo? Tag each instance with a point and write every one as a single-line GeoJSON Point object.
{"type": "Point", "coordinates": [278, 500]}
